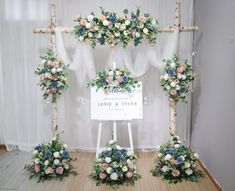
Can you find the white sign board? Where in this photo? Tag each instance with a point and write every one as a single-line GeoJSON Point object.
{"type": "Point", "coordinates": [116, 105]}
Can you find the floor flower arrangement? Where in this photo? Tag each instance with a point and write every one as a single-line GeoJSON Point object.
{"type": "Point", "coordinates": [115, 166]}
{"type": "Point", "coordinates": [175, 162]}
{"type": "Point", "coordinates": [50, 160]}
{"type": "Point", "coordinates": [116, 80]}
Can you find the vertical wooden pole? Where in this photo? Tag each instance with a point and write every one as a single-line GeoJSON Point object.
{"type": "Point", "coordinates": [53, 43]}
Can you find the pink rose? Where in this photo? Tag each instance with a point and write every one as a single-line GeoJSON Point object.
{"type": "Point", "coordinates": [59, 170]}
{"type": "Point", "coordinates": [175, 173]}
{"type": "Point", "coordinates": [37, 168]}
{"type": "Point", "coordinates": [50, 63]}
{"type": "Point", "coordinates": [142, 19]}
{"type": "Point", "coordinates": [182, 66]}
{"type": "Point", "coordinates": [130, 165]}
{"type": "Point", "coordinates": [133, 31]}
{"type": "Point", "coordinates": [173, 92]}
{"type": "Point", "coordinates": [102, 17]}
{"type": "Point", "coordinates": [104, 165]}
{"type": "Point", "coordinates": [110, 25]}
{"type": "Point", "coordinates": [180, 69]}
{"type": "Point", "coordinates": [102, 175]}
{"type": "Point", "coordinates": [49, 170]}
{"type": "Point", "coordinates": [129, 174]}
{"type": "Point", "coordinates": [119, 78]}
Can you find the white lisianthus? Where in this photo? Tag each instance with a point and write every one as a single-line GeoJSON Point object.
{"type": "Point", "coordinates": [114, 176]}
{"type": "Point", "coordinates": [108, 159]}
{"type": "Point", "coordinates": [118, 147]}
{"type": "Point", "coordinates": [176, 145]}
{"type": "Point", "coordinates": [129, 153]}
{"type": "Point", "coordinates": [117, 34]}
{"type": "Point", "coordinates": [115, 164]}
{"type": "Point", "coordinates": [187, 165]}
{"type": "Point", "coordinates": [111, 141]}
{"type": "Point", "coordinates": [96, 28]}
{"type": "Point", "coordinates": [90, 18]}
{"type": "Point", "coordinates": [66, 166]}
{"type": "Point", "coordinates": [128, 161]}
{"type": "Point", "coordinates": [137, 34]}
{"type": "Point", "coordinates": [90, 34]}
{"type": "Point", "coordinates": [110, 74]}
{"type": "Point", "coordinates": [43, 61]}
{"type": "Point", "coordinates": [166, 76]}
{"type": "Point", "coordinates": [99, 35]}
{"type": "Point", "coordinates": [189, 171]}
{"type": "Point", "coordinates": [65, 146]}
{"type": "Point", "coordinates": [123, 27]}
{"type": "Point", "coordinates": [168, 157]}
{"type": "Point", "coordinates": [35, 152]}
{"type": "Point", "coordinates": [125, 32]}
{"type": "Point", "coordinates": [124, 169]}
{"type": "Point", "coordinates": [109, 149]}
{"type": "Point", "coordinates": [46, 162]}
{"type": "Point", "coordinates": [196, 155]}
{"type": "Point", "coordinates": [61, 151]}
{"type": "Point", "coordinates": [168, 87]}
{"type": "Point", "coordinates": [117, 25]}
{"type": "Point", "coordinates": [179, 76]}
{"type": "Point", "coordinates": [81, 38]}
{"type": "Point", "coordinates": [109, 170]}
{"type": "Point", "coordinates": [37, 161]}
{"type": "Point", "coordinates": [105, 22]}
{"type": "Point", "coordinates": [153, 22]}
{"type": "Point", "coordinates": [100, 159]}
{"type": "Point", "coordinates": [56, 154]}
{"type": "Point", "coordinates": [183, 77]}
{"type": "Point", "coordinates": [127, 22]}
{"type": "Point", "coordinates": [56, 161]}
{"type": "Point", "coordinates": [173, 84]}
{"type": "Point", "coordinates": [159, 155]}
{"type": "Point", "coordinates": [88, 25]}
{"type": "Point", "coordinates": [172, 65]}
{"type": "Point", "coordinates": [145, 30]}
{"type": "Point", "coordinates": [165, 168]}
{"type": "Point", "coordinates": [177, 87]}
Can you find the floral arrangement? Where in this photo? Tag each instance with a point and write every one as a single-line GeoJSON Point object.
{"type": "Point", "coordinates": [116, 79]}
{"type": "Point", "coordinates": [50, 160]}
{"type": "Point", "coordinates": [115, 166]}
{"type": "Point", "coordinates": [175, 162]}
{"type": "Point", "coordinates": [176, 79]}
{"type": "Point", "coordinates": [51, 71]}
{"type": "Point", "coordinates": [110, 29]}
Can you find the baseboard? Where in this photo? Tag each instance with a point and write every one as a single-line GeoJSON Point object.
{"type": "Point", "coordinates": [3, 146]}
{"type": "Point", "coordinates": [213, 180]}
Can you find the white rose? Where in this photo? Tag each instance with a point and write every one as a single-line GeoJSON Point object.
{"type": "Point", "coordinates": [128, 161]}
{"type": "Point", "coordinates": [37, 161]}
{"type": "Point", "coordinates": [56, 154]}
{"type": "Point", "coordinates": [61, 151]}
{"type": "Point", "coordinates": [53, 71]}
{"type": "Point", "coordinates": [117, 34]}
{"type": "Point", "coordinates": [109, 149]}
{"type": "Point", "coordinates": [165, 168]}
{"type": "Point", "coordinates": [118, 147]}
{"type": "Point", "coordinates": [127, 22]}
{"type": "Point", "coordinates": [173, 84]}
{"type": "Point", "coordinates": [168, 87]}
{"type": "Point", "coordinates": [90, 17]}
{"type": "Point", "coordinates": [115, 164]}
{"type": "Point", "coordinates": [196, 155]}
{"type": "Point", "coordinates": [56, 161]}
{"type": "Point", "coordinates": [123, 27]}
{"type": "Point", "coordinates": [168, 157]}
{"type": "Point", "coordinates": [65, 146]}
{"type": "Point", "coordinates": [110, 74]}
{"type": "Point", "coordinates": [166, 76]}
{"type": "Point", "coordinates": [129, 153]}
{"type": "Point", "coordinates": [177, 87]}
{"type": "Point", "coordinates": [90, 34]}
{"type": "Point", "coordinates": [145, 30]}
{"type": "Point", "coordinates": [100, 159]}
{"type": "Point", "coordinates": [172, 65]}
{"type": "Point", "coordinates": [35, 152]}
{"type": "Point", "coordinates": [137, 34]}
{"type": "Point", "coordinates": [111, 141]}
{"type": "Point", "coordinates": [187, 165]}
{"type": "Point", "coordinates": [109, 170]}
{"type": "Point", "coordinates": [179, 76]}
{"type": "Point", "coordinates": [66, 166]}
{"type": "Point", "coordinates": [108, 159]}
{"type": "Point", "coordinates": [114, 176]}
{"type": "Point", "coordinates": [59, 69]}
{"type": "Point", "coordinates": [43, 61]}
{"type": "Point", "coordinates": [124, 169]}
{"type": "Point", "coordinates": [46, 162]}
{"type": "Point", "coordinates": [183, 77]}
{"type": "Point", "coordinates": [105, 22]}
{"type": "Point", "coordinates": [188, 171]}
{"type": "Point", "coordinates": [153, 22]}
{"type": "Point", "coordinates": [125, 33]}
{"type": "Point", "coordinates": [117, 25]}
{"type": "Point", "coordinates": [176, 145]}
{"type": "Point", "coordinates": [99, 35]}
{"type": "Point", "coordinates": [88, 25]}
{"type": "Point", "coordinates": [81, 38]}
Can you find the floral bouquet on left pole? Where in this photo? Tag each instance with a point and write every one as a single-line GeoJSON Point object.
{"type": "Point", "coordinates": [115, 166]}
{"type": "Point", "coordinates": [50, 160]}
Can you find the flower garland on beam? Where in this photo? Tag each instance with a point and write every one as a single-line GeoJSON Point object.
{"type": "Point", "coordinates": [53, 76]}
{"type": "Point", "coordinates": [110, 29]}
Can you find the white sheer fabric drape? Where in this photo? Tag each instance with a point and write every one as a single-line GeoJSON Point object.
{"type": "Point", "coordinates": [27, 119]}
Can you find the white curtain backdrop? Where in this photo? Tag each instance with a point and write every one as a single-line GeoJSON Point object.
{"type": "Point", "coordinates": [26, 119]}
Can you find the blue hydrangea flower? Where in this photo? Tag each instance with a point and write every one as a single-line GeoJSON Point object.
{"type": "Point", "coordinates": [170, 150]}
{"type": "Point", "coordinates": [180, 160]}
{"type": "Point", "coordinates": [48, 154]}
{"type": "Point", "coordinates": [118, 154]}
{"type": "Point", "coordinates": [82, 31]}
{"type": "Point", "coordinates": [113, 19]}
{"type": "Point", "coordinates": [65, 154]}
{"type": "Point", "coordinates": [123, 151]}
{"type": "Point", "coordinates": [170, 72]}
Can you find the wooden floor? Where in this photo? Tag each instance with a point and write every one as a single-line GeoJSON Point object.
{"type": "Point", "coordinates": [13, 177]}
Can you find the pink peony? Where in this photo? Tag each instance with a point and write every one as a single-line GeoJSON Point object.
{"type": "Point", "coordinates": [129, 174]}
{"type": "Point", "coordinates": [37, 168]}
{"type": "Point", "coordinates": [173, 92]}
{"type": "Point", "coordinates": [175, 173]}
{"type": "Point", "coordinates": [180, 69]}
{"type": "Point", "coordinates": [59, 170]}
{"type": "Point", "coordinates": [102, 175]}
{"type": "Point", "coordinates": [49, 170]}
{"type": "Point", "coordinates": [104, 165]}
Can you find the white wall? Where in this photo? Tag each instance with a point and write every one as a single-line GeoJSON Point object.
{"type": "Point", "coordinates": [213, 100]}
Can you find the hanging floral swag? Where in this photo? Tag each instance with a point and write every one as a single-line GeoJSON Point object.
{"type": "Point", "coordinates": [50, 160]}
{"type": "Point", "coordinates": [53, 76]}
{"type": "Point", "coordinates": [175, 162]}
{"type": "Point", "coordinates": [114, 80]}
{"type": "Point", "coordinates": [115, 166]}
{"type": "Point", "coordinates": [176, 79]}
{"type": "Point", "coordinates": [110, 29]}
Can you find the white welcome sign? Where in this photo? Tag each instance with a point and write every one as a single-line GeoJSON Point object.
{"type": "Point", "coordinates": [116, 105]}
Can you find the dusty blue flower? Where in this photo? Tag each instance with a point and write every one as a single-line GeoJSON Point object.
{"type": "Point", "coordinates": [48, 154]}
